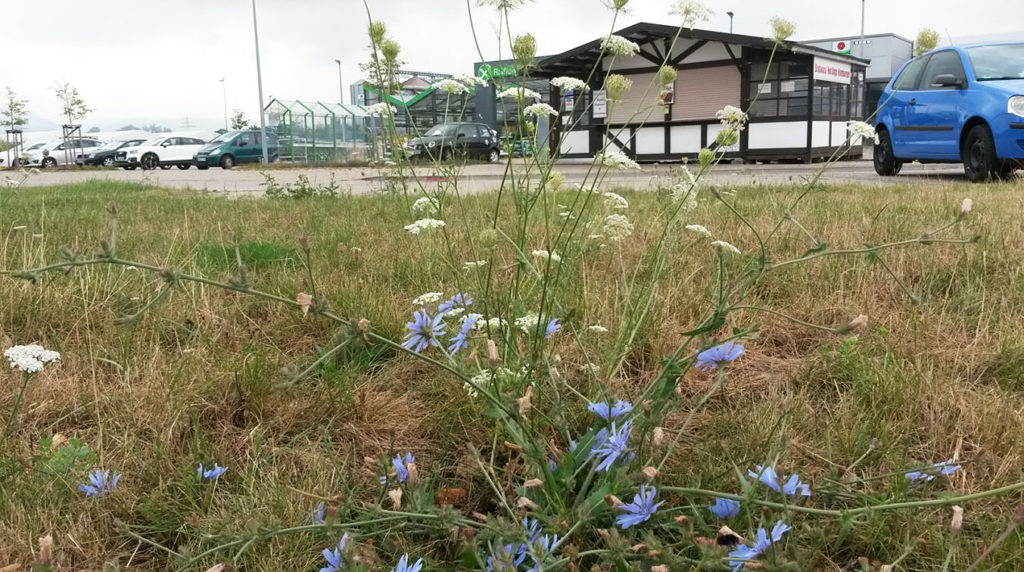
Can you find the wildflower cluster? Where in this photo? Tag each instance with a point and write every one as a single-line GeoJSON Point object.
{"type": "Point", "coordinates": [31, 358]}
{"type": "Point", "coordinates": [424, 224]}
{"type": "Point", "coordinates": [616, 160]}
{"type": "Point", "coordinates": [569, 84]}
{"type": "Point", "coordinates": [519, 93]}
{"type": "Point", "coordinates": [619, 46]}
{"type": "Point", "coordinates": [451, 87]}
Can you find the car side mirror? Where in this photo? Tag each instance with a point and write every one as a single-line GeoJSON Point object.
{"type": "Point", "coordinates": [243, 143]}
{"type": "Point", "coordinates": [947, 80]}
{"type": "Point", "coordinates": [165, 144]}
{"type": "Point", "coordinates": [460, 135]}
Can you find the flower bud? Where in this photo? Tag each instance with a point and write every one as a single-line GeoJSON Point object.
{"type": "Point", "coordinates": [489, 238]}
{"type": "Point", "coordinates": [958, 519]}
{"type": "Point", "coordinates": [650, 472]}
{"type": "Point", "coordinates": [363, 326]}
{"type": "Point", "coordinates": [524, 48]}
{"type": "Point", "coordinates": [617, 85]}
{"type": "Point", "coordinates": [305, 301]}
{"type": "Point", "coordinates": [526, 503]}
{"type": "Point", "coordinates": [666, 75]}
{"type": "Point", "coordinates": [377, 31]}
{"type": "Point", "coordinates": [727, 137]}
{"type": "Point", "coordinates": [414, 473]}
{"type": "Point", "coordinates": [533, 483]}
{"type": "Point", "coordinates": [965, 207]}
{"type": "Point", "coordinates": [396, 498]}
{"type": "Point", "coordinates": [390, 49]}
{"type": "Point", "coordinates": [782, 29]}
{"type": "Point", "coordinates": [659, 437]}
{"type": "Point", "coordinates": [492, 352]}
{"type": "Point", "coordinates": [706, 158]}
{"type": "Point", "coordinates": [612, 500]}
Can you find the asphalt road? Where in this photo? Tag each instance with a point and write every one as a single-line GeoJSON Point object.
{"type": "Point", "coordinates": [364, 180]}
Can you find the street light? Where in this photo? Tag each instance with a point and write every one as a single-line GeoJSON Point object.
{"type": "Point", "coordinates": [341, 86]}
{"type": "Point", "coordinates": [259, 82]}
{"type": "Point", "coordinates": [224, 88]}
{"type": "Point", "coordinates": [730, 21]}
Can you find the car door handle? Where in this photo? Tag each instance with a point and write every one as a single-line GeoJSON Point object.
{"type": "Point", "coordinates": [912, 102]}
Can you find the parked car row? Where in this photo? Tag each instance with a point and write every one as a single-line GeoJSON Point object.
{"type": "Point", "coordinates": [160, 151]}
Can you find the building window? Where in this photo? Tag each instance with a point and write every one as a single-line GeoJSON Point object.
{"type": "Point", "coordinates": [779, 90]}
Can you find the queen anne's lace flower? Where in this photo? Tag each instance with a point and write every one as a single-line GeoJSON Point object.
{"type": "Point", "coordinates": [725, 246]}
{"type": "Point", "coordinates": [615, 201]}
{"type": "Point", "coordinates": [539, 110]}
{"type": "Point", "coordinates": [428, 298]}
{"type": "Point", "coordinates": [861, 129]}
{"type": "Point", "coordinates": [698, 229]}
{"type": "Point", "coordinates": [732, 116]}
{"type": "Point", "coordinates": [450, 86]}
{"type": "Point", "coordinates": [426, 206]}
{"type": "Point", "coordinates": [470, 80]}
{"type": "Point", "coordinates": [616, 159]}
{"type": "Point", "coordinates": [692, 11]}
{"type": "Point", "coordinates": [617, 227]}
{"type": "Point", "coordinates": [619, 46]}
{"type": "Point", "coordinates": [598, 329]}
{"type": "Point", "coordinates": [30, 358]}
{"type": "Point", "coordinates": [424, 224]}
{"type": "Point", "coordinates": [516, 92]}
{"type": "Point", "coordinates": [569, 84]}
{"type": "Point", "coordinates": [381, 109]}
{"type": "Point", "coordinates": [543, 254]}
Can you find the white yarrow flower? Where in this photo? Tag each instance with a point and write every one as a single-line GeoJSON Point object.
{"type": "Point", "coordinates": [426, 206]}
{"type": "Point", "coordinates": [617, 227]}
{"type": "Point", "coordinates": [616, 159]}
{"type": "Point", "coordinates": [698, 229]}
{"type": "Point", "coordinates": [545, 255]}
{"type": "Point", "coordinates": [569, 84]}
{"type": "Point", "coordinates": [692, 11]}
{"type": "Point", "coordinates": [732, 116]}
{"type": "Point", "coordinates": [450, 86]}
{"type": "Point", "coordinates": [725, 246]}
{"type": "Point", "coordinates": [528, 323]}
{"type": "Point", "coordinates": [619, 46]}
{"type": "Point", "coordinates": [470, 80]}
{"type": "Point", "coordinates": [381, 109]}
{"type": "Point", "coordinates": [428, 298]}
{"type": "Point", "coordinates": [30, 358]}
{"type": "Point", "coordinates": [598, 329]}
{"type": "Point", "coordinates": [539, 110]}
{"type": "Point", "coordinates": [493, 325]}
{"type": "Point", "coordinates": [516, 92]}
{"type": "Point", "coordinates": [615, 201]}
{"type": "Point", "coordinates": [424, 224]}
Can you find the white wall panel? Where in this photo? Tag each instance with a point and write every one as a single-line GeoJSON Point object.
{"type": "Point", "coordinates": [777, 135]}
{"type": "Point", "coordinates": [685, 138]}
{"type": "Point", "coordinates": [819, 134]}
{"type": "Point", "coordinates": [576, 142]}
{"type": "Point", "coordinates": [650, 140]}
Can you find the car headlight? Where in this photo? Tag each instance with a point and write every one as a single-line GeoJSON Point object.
{"type": "Point", "coordinates": [1016, 105]}
{"type": "Point", "coordinates": [432, 144]}
{"type": "Point", "coordinates": [134, 152]}
{"type": "Point", "coordinates": [214, 151]}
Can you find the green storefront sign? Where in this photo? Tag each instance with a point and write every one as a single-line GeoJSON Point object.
{"type": "Point", "coordinates": [488, 72]}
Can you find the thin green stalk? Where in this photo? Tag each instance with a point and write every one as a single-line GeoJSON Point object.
{"type": "Point", "coordinates": [14, 408]}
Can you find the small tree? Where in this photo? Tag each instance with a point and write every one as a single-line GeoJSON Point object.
{"type": "Point", "coordinates": [14, 112]}
{"type": "Point", "coordinates": [238, 120]}
{"type": "Point", "coordinates": [927, 39]}
{"type": "Point", "coordinates": [72, 105]}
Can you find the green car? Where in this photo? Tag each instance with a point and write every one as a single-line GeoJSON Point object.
{"type": "Point", "coordinates": [235, 147]}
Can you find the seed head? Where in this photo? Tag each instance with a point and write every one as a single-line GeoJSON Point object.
{"type": "Point", "coordinates": [650, 472]}
{"type": "Point", "coordinates": [666, 75]}
{"type": "Point", "coordinates": [958, 519]}
{"type": "Point", "coordinates": [45, 550]}
{"type": "Point", "coordinates": [396, 498]}
{"type": "Point", "coordinates": [965, 207]}
{"type": "Point", "coordinates": [659, 437]}
{"type": "Point", "coordinates": [524, 48]}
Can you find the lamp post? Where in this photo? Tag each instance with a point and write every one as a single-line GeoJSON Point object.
{"type": "Point", "coordinates": [341, 86]}
{"type": "Point", "coordinates": [259, 82]}
{"type": "Point", "coordinates": [730, 21]}
{"type": "Point", "coordinates": [224, 88]}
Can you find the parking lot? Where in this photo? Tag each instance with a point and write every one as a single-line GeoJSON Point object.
{"type": "Point", "coordinates": [484, 177]}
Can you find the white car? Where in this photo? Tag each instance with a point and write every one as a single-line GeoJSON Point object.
{"type": "Point", "coordinates": [52, 153]}
{"type": "Point", "coordinates": [164, 151]}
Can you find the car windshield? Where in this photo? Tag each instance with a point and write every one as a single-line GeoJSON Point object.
{"type": "Point", "coordinates": [223, 137]}
{"type": "Point", "coordinates": [36, 146]}
{"type": "Point", "coordinates": [154, 141]}
{"type": "Point", "coordinates": [992, 63]}
{"type": "Point", "coordinates": [442, 130]}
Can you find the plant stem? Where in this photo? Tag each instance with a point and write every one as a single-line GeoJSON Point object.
{"type": "Point", "coordinates": [14, 408]}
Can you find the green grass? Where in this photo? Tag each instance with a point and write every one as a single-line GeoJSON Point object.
{"type": "Point", "coordinates": [206, 375]}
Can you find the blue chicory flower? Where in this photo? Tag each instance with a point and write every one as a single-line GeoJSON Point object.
{"type": "Point", "coordinates": [211, 474]}
{"type": "Point", "coordinates": [640, 510]}
{"type": "Point", "coordinates": [609, 412]}
{"type": "Point", "coordinates": [100, 483]}
{"type": "Point", "coordinates": [944, 468]}
{"type": "Point", "coordinates": [460, 300]}
{"type": "Point", "coordinates": [552, 465]}
{"type": "Point", "coordinates": [715, 357]}
{"type": "Point", "coordinates": [507, 557]}
{"type": "Point", "coordinates": [744, 552]}
{"type": "Point", "coordinates": [404, 566]}
{"type": "Point", "coordinates": [333, 557]}
{"type": "Point", "coordinates": [725, 508]}
{"type": "Point", "coordinates": [614, 446]}
{"type": "Point", "coordinates": [460, 339]}
{"type": "Point", "coordinates": [401, 468]}
{"type": "Point", "coordinates": [539, 548]}
{"type": "Point", "coordinates": [770, 478]}
{"type": "Point", "coordinates": [316, 516]}
{"type": "Point", "coordinates": [553, 328]}
{"type": "Point", "coordinates": [424, 331]}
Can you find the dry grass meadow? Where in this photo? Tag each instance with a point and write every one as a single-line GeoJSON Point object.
{"type": "Point", "coordinates": [204, 375]}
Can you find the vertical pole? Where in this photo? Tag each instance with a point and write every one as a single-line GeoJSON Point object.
{"type": "Point", "coordinates": [224, 87]}
{"type": "Point", "coordinates": [730, 21]}
{"type": "Point", "coordinates": [259, 81]}
{"type": "Point", "coordinates": [341, 86]}
{"type": "Point", "coordinates": [862, 3]}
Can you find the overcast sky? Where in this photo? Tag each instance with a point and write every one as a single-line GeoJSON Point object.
{"type": "Point", "coordinates": [156, 61]}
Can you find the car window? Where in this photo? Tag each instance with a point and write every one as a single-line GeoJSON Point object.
{"type": "Point", "coordinates": [93, 143]}
{"type": "Point", "coordinates": [942, 63]}
{"type": "Point", "coordinates": [907, 81]}
{"type": "Point", "coordinates": [468, 130]}
{"type": "Point", "coordinates": [59, 147]}
{"type": "Point", "coordinates": [245, 139]}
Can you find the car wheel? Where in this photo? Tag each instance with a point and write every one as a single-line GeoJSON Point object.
{"type": "Point", "coordinates": [493, 156]}
{"type": "Point", "coordinates": [202, 167]}
{"type": "Point", "coordinates": [1007, 169]}
{"type": "Point", "coordinates": [979, 155]}
{"type": "Point", "coordinates": [149, 162]}
{"type": "Point", "coordinates": [885, 161]}
{"type": "Point", "coordinates": [49, 162]}
{"type": "Point", "coordinates": [165, 167]}
{"type": "Point", "coordinates": [129, 167]}
{"type": "Point", "coordinates": [447, 154]}
{"type": "Point", "coordinates": [108, 161]}
{"type": "Point", "coordinates": [184, 166]}
{"type": "Point", "coordinates": [227, 162]}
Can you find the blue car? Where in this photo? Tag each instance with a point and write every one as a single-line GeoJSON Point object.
{"type": "Point", "coordinates": [952, 105]}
